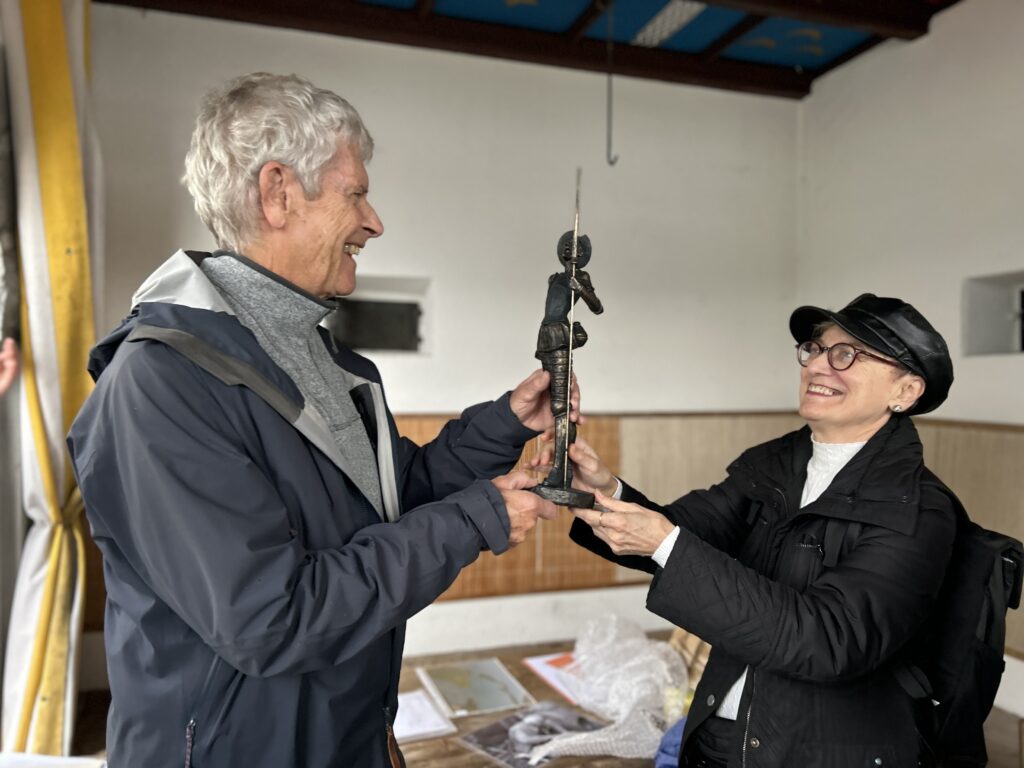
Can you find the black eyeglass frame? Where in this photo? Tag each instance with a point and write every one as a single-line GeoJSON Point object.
{"type": "Point", "coordinates": [827, 351]}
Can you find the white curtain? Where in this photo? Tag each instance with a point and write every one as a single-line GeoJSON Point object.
{"type": "Point", "coordinates": [45, 47]}
{"type": "Point", "coordinates": [12, 521]}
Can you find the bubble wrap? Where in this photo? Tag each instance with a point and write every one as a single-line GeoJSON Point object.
{"type": "Point", "coordinates": [622, 676]}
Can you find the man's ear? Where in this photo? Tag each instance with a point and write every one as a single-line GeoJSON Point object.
{"type": "Point", "coordinates": [275, 193]}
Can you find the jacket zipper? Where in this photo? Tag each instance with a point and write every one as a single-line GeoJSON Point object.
{"type": "Point", "coordinates": [746, 725]}
{"type": "Point", "coordinates": [752, 679]}
{"type": "Point", "coordinates": [190, 735]}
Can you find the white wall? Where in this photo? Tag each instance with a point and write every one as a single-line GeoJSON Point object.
{"type": "Point", "coordinates": [694, 229]}
{"type": "Point", "coordinates": [912, 179]}
{"type": "Point", "coordinates": [709, 230]}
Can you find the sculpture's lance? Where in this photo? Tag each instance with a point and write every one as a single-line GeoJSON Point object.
{"type": "Point", "coordinates": [572, 309]}
{"type": "Point", "coordinates": [559, 336]}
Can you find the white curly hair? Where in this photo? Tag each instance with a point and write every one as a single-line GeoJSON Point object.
{"type": "Point", "coordinates": [255, 119]}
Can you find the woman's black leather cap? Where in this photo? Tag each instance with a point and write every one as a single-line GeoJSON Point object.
{"type": "Point", "coordinates": [894, 328]}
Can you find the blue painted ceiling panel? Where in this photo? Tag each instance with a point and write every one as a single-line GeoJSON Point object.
{"type": "Point", "coordinates": [542, 15]}
{"type": "Point", "coordinates": [703, 30]}
{"type": "Point", "coordinates": [629, 18]}
{"type": "Point", "coordinates": [789, 43]}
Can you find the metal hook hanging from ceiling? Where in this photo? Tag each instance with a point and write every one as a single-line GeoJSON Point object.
{"type": "Point", "coordinates": [610, 48]}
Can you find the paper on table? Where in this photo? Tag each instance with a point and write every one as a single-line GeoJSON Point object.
{"type": "Point", "coordinates": [473, 687]}
{"type": "Point", "coordinates": [19, 760]}
{"type": "Point", "coordinates": [551, 668]}
{"type": "Point", "coordinates": [419, 718]}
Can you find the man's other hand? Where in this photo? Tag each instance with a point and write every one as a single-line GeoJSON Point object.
{"type": "Point", "coordinates": [531, 401]}
{"type": "Point", "coordinates": [523, 506]}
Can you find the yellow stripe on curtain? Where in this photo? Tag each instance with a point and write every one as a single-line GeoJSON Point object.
{"type": "Point", "coordinates": [46, 707]}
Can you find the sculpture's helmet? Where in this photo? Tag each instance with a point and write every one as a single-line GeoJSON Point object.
{"type": "Point", "coordinates": [582, 250]}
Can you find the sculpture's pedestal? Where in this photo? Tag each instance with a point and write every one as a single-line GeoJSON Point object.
{"type": "Point", "coordinates": [565, 497]}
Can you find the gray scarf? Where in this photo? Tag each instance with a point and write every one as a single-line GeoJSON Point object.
{"type": "Point", "coordinates": [284, 319]}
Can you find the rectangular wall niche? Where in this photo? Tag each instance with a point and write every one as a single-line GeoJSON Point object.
{"type": "Point", "coordinates": [383, 314]}
{"type": "Point", "coordinates": [992, 323]}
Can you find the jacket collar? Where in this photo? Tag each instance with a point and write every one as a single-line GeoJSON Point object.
{"type": "Point", "coordinates": [179, 306]}
{"type": "Point", "coordinates": [879, 486]}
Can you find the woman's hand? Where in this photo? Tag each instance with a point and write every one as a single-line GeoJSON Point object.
{"type": "Point", "coordinates": [544, 458]}
{"type": "Point", "coordinates": [628, 529]}
{"type": "Point", "coordinates": [590, 470]}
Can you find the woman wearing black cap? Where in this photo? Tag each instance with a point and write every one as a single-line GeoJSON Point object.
{"type": "Point", "coordinates": [811, 566]}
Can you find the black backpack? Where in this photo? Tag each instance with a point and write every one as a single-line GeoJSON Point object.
{"type": "Point", "coordinates": [953, 667]}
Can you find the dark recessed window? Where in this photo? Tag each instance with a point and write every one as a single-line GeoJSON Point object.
{"type": "Point", "coordinates": [1020, 319]}
{"type": "Point", "coordinates": [377, 324]}
{"type": "Point", "coordinates": [993, 314]}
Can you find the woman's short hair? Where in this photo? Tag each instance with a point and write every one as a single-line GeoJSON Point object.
{"type": "Point", "coordinates": [255, 119]}
{"type": "Point", "coordinates": [819, 329]}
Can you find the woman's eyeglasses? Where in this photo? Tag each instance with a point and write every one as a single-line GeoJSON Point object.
{"type": "Point", "coordinates": [840, 356]}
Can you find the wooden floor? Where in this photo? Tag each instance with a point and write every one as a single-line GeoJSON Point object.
{"type": "Point", "coordinates": [1004, 739]}
{"type": "Point", "coordinates": [1002, 730]}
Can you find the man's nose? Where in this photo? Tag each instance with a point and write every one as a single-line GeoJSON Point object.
{"type": "Point", "coordinates": [372, 223]}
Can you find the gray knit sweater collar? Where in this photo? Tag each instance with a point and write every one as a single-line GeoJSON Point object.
{"type": "Point", "coordinates": [288, 308]}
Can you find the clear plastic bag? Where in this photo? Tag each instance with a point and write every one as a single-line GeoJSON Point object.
{"type": "Point", "coordinates": [624, 677]}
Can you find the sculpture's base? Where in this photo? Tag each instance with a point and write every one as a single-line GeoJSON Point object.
{"type": "Point", "coordinates": [565, 497]}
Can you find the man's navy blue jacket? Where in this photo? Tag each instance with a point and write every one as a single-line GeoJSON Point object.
{"type": "Point", "coordinates": [256, 601]}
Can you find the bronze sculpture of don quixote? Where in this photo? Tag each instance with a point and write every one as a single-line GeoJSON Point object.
{"type": "Point", "coordinates": [560, 335]}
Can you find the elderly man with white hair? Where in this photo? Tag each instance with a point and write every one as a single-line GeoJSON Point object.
{"type": "Point", "coordinates": [265, 530]}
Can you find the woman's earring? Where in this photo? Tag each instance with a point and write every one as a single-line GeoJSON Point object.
{"type": "Point", "coordinates": [897, 408]}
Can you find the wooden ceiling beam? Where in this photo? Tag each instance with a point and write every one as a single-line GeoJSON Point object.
{"type": "Point", "coordinates": [906, 19]}
{"type": "Point", "coordinates": [739, 30]}
{"type": "Point", "coordinates": [424, 8]}
{"type": "Point", "coordinates": [590, 14]}
{"type": "Point", "coordinates": [476, 38]}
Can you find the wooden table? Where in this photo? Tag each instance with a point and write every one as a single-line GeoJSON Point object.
{"type": "Point", "coordinates": [448, 753]}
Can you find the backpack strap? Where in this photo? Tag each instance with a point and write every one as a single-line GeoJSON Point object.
{"type": "Point", "coordinates": [837, 535]}
{"type": "Point", "coordinates": [998, 594]}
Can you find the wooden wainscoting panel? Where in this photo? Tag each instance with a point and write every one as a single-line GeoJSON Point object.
{"type": "Point", "coordinates": [562, 564]}
{"type": "Point", "coordinates": [668, 455]}
{"type": "Point", "coordinates": [421, 429]}
{"type": "Point", "coordinates": [547, 560]}
{"type": "Point", "coordinates": [984, 465]}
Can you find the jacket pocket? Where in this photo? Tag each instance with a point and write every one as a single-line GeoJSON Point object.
{"type": "Point", "coordinates": [801, 562]}
{"type": "Point", "coordinates": [818, 755]}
